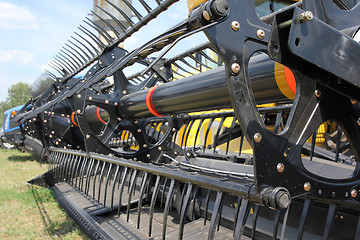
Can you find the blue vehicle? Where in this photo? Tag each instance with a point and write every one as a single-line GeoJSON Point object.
{"type": "Point", "coordinates": [11, 135]}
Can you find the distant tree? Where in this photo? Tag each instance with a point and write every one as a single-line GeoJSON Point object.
{"type": "Point", "coordinates": [18, 94]}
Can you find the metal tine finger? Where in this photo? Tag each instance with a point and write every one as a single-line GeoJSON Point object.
{"type": "Point", "coordinates": [132, 188]}
{"type": "Point", "coordinates": [181, 68]}
{"type": "Point", "coordinates": [81, 173]}
{"type": "Point", "coordinates": [130, 176]}
{"type": "Point", "coordinates": [88, 176]}
{"type": "Point", "coordinates": [184, 133]}
{"type": "Point", "coordinates": [63, 164]}
{"type": "Point", "coordinates": [188, 132]}
{"type": "Point", "coordinates": [79, 63]}
{"type": "Point", "coordinates": [254, 222]}
{"type": "Point", "coordinates": [96, 50]}
{"type": "Point", "coordinates": [144, 4]}
{"type": "Point", "coordinates": [193, 200]}
{"type": "Point", "coordinates": [200, 63]}
{"type": "Point", "coordinates": [241, 142]}
{"type": "Point", "coordinates": [189, 65]}
{"type": "Point", "coordinates": [303, 218]}
{"type": "Point", "coordinates": [184, 207]}
{"type": "Point", "coordinates": [313, 141]}
{"type": "Point", "coordinates": [64, 63]}
{"type": "Point", "coordinates": [71, 64]}
{"type": "Point", "coordinates": [110, 169]}
{"type": "Point", "coordinates": [284, 223]}
{"type": "Point", "coordinates": [142, 190]}
{"type": "Point", "coordinates": [50, 73]}
{"type": "Point", "coordinates": [158, 2]}
{"type": "Point", "coordinates": [57, 172]}
{"type": "Point", "coordinates": [83, 54]}
{"type": "Point", "coordinates": [197, 132]}
{"type": "Point", "coordinates": [77, 171]}
{"type": "Point", "coordinates": [207, 133]}
{"type": "Point", "coordinates": [126, 17]}
{"type": "Point", "coordinates": [276, 223]}
{"type": "Point", "coordinates": [67, 167]}
{"type": "Point", "coordinates": [329, 220]}
{"type": "Point", "coordinates": [152, 203]}
{"type": "Point", "coordinates": [101, 179]}
{"type": "Point", "coordinates": [56, 68]}
{"type": "Point", "coordinates": [136, 13]}
{"type": "Point", "coordinates": [73, 169]}
{"type": "Point", "coordinates": [125, 172]}
{"type": "Point", "coordinates": [94, 178]}
{"type": "Point", "coordinates": [97, 40]}
{"type": "Point", "coordinates": [170, 196]}
{"type": "Point", "coordinates": [215, 214]}
{"type": "Point", "coordinates": [207, 198]}
{"type": "Point", "coordinates": [338, 141]}
{"type": "Point", "coordinates": [122, 27]}
{"type": "Point", "coordinates": [230, 132]}
{"type": "Point", "coordinates": [83, 61]}
{"type": "Point", "coordinates": [86, 166]}
{"type": "Point", "coordinates": [100, 30]}
{"type": "Point", "coordinates": [113, 186]}
{"type": "Point", "coordinates": [240, 222]}
{"type": "Point", "coordinates": [162, 125]}
{"type": "Point", "coordinates": [107, 24]}
{"type": "Point", "coordinates": [218, 132]}
{"type": "Point", "coordinates": [163, 191]}
{"type": "Point", "coordinates": [209, 58]}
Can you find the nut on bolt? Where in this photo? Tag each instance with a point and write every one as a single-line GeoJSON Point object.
{"type": "Point", "coordinates": [235, 68]}
{"type": "Point", "coordinates": [306, 16]}
{"type": "Point", "coordinates": [257, 137]}
{"type": "Point", "coordinates": [354, 193]}
{"type": "Point", "coordinates": [235, 25]}
{"type": "Point", "coordinates": [280, 167]}
{"type": "Point", "coordinates": [260, 33]}
{"type": "Point", "coordinates": [307, 186]}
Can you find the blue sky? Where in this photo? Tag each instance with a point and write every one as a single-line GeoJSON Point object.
{"type": "Point", "coordinates": [33, 31]}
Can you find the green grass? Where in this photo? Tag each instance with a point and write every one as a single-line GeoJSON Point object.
{"type": "Point", "coordinates": [29, 212]}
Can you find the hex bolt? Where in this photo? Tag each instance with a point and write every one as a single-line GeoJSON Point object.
{"type": "Point", "coordinates": [353, 193]}
{"type": "Point", "coordinates": [235, 68]}
{"type": "Point", "coordinates": [235, 25]}
{"type": "Point", "coordinates": [280, 167]}
{"type": "Point", "coordinates": [90, 98]}
{"type": "Point", "coordinates": [124, 92]}
{"type": "Point", "coordinates": [305, 16]}
{"type": "Point", "coordinates": [79, 95]}
{"type": "Point", "coordinates": [106, 101]}
{"type": "Point", "coordinates": [260, 33]}
{"type": "Point", "coordinates": [115, 104]}
{"type": "Point", "coordinates": [257, 137]}
{"type": "Point", "coordinates": [317, 93]}
{"type": "Point", "coordinates": [206, 15]}
{"type": "Point", "coordinates": [188, 154]}
{"type": "Point", "coordinates": [307, 186]}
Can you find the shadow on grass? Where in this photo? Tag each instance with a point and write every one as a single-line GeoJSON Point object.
{"type": "Point", "coordinates": [53, 228]}
{"type": "Point", "coordinates": [21, 158]}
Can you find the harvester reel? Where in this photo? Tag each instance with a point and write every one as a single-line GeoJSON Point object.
{"type": "Point", "coordinates": [277, 158]}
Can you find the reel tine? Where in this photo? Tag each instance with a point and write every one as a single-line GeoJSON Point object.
{"type": "Point", "coordinates": [277, 122]}
{"type": "Point", "coordinates": [209, 58]}
{"type": "Point", "coordinates": [255, 217]}
{"type": "Point", "coordinates": [94, 180]}
{"type": "Point", "coordinates": [122, 27]}
{"type": "Point", "coordinates": [70, 54]}
{"type": "Point", "coordinates": [144, 4]}
{"type": "Point", "coordinates": [153, 200]}
{"type": "Point", "coordinates": [92, 36]}
{"type": "Point", "coordinates": [338, 141]}
{"type": "Point", "coordinates": [303, 218]}
{"type": "Point", "coordinates": [240, 222]}
{"type": "Point", "coordinates": [187, 124]}
{"type": "Point", "coordinates": [100, 30]}
{"type": "Point", "coordinates": [72, 170]}
{"type": "Point", "coordinates": [136, 13]}
{"type": "Point", "coordinates": [206, 205]}
{"type": "Point", "coordinates": [107, 24]}
{"type": "Point", "coordinates": [126, 17]}
{"type": "Point", "coordinates": [189, 65]}
{"type": "Point", "coordinates": [64, 64]}
{"type": "Point", "coordinates": [184, 207]}
{"type": "Point", "coordinates": [197, 132]}
{"type": "Point", "coordinates": [110, 170]}
{"type": "Point", "coordinates": [50, 74]}
{"type": "Point", "coordinates": [170, 196]}
{"type": "Point", "coordinates": [276, 223]}
{"type": "Point", "coordinates": [77, 171]}
{"type": "Point", "coordinates": [329, 220]}
{"type": "Point", "coordinates": [84, 53]}
{"type": "Point", "coordinates": [71, 64]}
{"type": "Point", "coordinates": [132, 188]}
{"type": "Point", "coordinates": [125, 172]}
{"type": "Point", "coordinates": [284, 224]}
{"type": "Point", "coordinates": [56, 68]}
{"type": "Point", "coordinates": [142, 190]}
{"type": "Point", "coordinates": [183, 69]}
{"type": "Point", "coordinates": [218, 132]}
{"type": "Point", "coordinates": [188, 132]}
{"type": "Point", "coordinates": [84, 60]}
{"type": "Point", "coordinates": [313, 141]}
{"type": "Point", "coordinates": [207, 134]}
{"type": "Point", "coordinates": [163, 191]}
{"type": "Point", "coordinates": [230, 132]}
{"type": "Point", "coordinates": [88, 176]}
{"type": "Point", "coordinates": [89, 43]}
{"type": "Point", "coordinates": [215, 214]}
{"type": "Point", "coordinates": [101, 179]}
{"type": "Point", "coordinates": [113, 186]}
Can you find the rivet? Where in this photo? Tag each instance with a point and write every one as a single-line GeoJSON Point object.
{"type": "Point", "coordinates": [124, 92]}
{"type": "Point", "coordinates": [358, 121]}
{"type": "Point", "coordinates": [106, 101]}
{"type": "Point", "coordinates": [159, 148]}
{"type": "Point", "coordinates": [87, 136]}
{"type": "Point", "coordinates": [115, 104]}
{"type": "Point", "coordinates": [353, 101]}
{"type": "Point", "coordinates": [78, 111]}
{"type": "Point", "coordinates": [135, 159]}
{"type": "Point", "coordinates": [235, 25]}
{"type": "Point", "coordinates": [45, 121]}
{"type": "Point", "coordinates": [317, 93]}
{"type": "Point", "coordinates": [257, 137]}
{"type": "Point", "coordinates": [307, 186]}
{"type": "Point", "coordinates": [280, 167]}
{"type": "Point", "coordinates": [144, 146]}
{"type": "Point", "coordinates": [52, 132]}
{"type": "Point", "coordinates": [353, 193]}
{"type": "Point", "coordinates": [206, 15]}
{"type": "Point", "coordinates": [260, 33]}
{"type": "Point", "coordinates": [62, 115]}
{"type": "Point", "coordinates": [119, 119]}
{"type": "Point", "coordinates": [50, 136]}
{"type": "Point", "coordinates": [148, 155]}
{"type": "Point", "coordinates": [139, 130]}
{"type": "Point", "coordinates": [174, 129]}
{"type": "Point", "coordinates": [346, 194]}
{"type": "Point", "coordinates": [90, 98]}
{"type": "Point", "coordinates": [79, 95]}
{"type": "Point", "coordinates": [333, 194]}
{"type": "Point", "coordinates": [320, 192]}
{"type": "Point", "coordinates": [175, 153]}
{"type": "Point", "coordinates": [57, 143]}
{"type": "Point", "coordinates": [136, 122]}
{"type": "Point", "coordinates": [235, 68]}
{"type": "Point", "coordinates": [188, 154]}
{"type": "Point", "coordinates": [100, 62]}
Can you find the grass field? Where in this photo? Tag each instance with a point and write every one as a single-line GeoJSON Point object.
{"type": "Point", "coordinates": [29, 212]}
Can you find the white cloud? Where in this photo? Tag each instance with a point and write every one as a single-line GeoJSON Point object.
{"type": "Point", "coordinates": [17, 56]}
{"type": "Point", "coordinates": [16, 17]}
